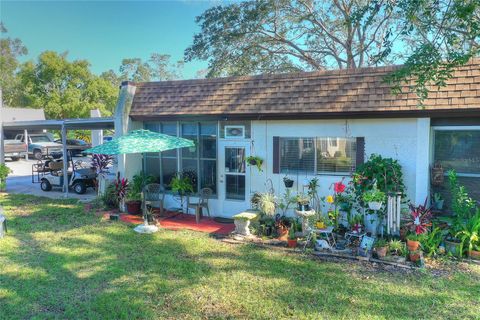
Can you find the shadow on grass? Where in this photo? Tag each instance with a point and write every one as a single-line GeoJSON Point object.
{"type": "Point", "coordinates": [63, 262]}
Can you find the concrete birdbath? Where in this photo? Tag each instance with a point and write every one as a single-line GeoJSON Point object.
{"type": "Point", "coordinates": [305, 215]}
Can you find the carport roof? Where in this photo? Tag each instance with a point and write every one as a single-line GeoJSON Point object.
{"type": "Point", "coordinates": [70, 124]}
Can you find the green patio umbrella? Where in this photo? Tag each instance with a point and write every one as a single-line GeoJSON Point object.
{"type": "Point", "coordinates": [141, 141]}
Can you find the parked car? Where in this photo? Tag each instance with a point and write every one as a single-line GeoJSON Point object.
{"type": "Point", "coordinates": [40, 145]}
{"type": "Point", "coordinates": [76, 146]}
{"type": "Point", "coordinates": [107, 138]}
{"type": "Point", "coordinates": [15, 149]}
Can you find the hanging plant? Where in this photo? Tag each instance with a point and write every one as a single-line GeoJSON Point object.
{"type": "Point", "coordinates": [255, 161]}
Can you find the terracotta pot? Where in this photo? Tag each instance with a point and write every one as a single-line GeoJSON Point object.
{"type": "Point", "coordinates": [414, 256]}
{"type": "Point", "coordinates": [292, 243]}
{"type": "Point", "coordinates": [381, 251]}
{"type": "Point", "coordinates": [413, 245]}
{"type": "Point", "coordinates": [474, 254]}
{"type": "Point", "coordinates": [134, 207]}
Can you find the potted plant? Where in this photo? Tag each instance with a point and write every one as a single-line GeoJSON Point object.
{"type": "Point", "coordinates": [414, 241]}
{"type": "Point", "coordinates": [437, 201]}
{"type": "Point", "coordinates": [397, 248]}
{"type": "Point", "coordinates": [133, 199]}
{"type": "Point", "coordinates": [415, 256]}
{"type": "Point", "coordinates": [255, 161]}
{"type": "Point", "coordinates": [470, 236]}
{"type": "Point", "coordinates": [303, 202]}
{"type": "Point", "coordinates": [380, 247]}
{"type": "Point", "coordinates": [287, 182]}
{"type": "Point", "coordinates": [267, 204]}
{"type": "Point", "coordinates": [356, 223]}
{"type": "Point", "coordinates": [374, 198]}
{"type": "Point", "coordinates": [182, 185]}
{"type": "Point", "coordinates": [292, 238]}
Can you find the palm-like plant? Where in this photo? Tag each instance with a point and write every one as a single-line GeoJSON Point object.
{"type": "Point", "coordinates": [470, 235]}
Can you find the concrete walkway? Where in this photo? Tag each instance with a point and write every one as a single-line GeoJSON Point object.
{"type": "Point", "coordinates": [20, 181]}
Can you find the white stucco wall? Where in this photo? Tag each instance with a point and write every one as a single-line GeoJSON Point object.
{"type": "Point", "coordinates": [406, 140]}
{"type": "Point", "coordinates": [395, 138]}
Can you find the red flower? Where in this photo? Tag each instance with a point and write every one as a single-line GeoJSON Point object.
{"type": "Point", "coordinates": [339, 187]}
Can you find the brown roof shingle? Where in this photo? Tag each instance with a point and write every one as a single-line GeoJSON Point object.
{"type": "Point", "coordinates": [321, 93]}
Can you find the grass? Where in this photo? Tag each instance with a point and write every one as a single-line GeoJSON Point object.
{"type": "Point", "coordinates": [58, 261]}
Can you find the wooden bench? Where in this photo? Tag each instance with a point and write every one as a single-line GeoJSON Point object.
{"type": "Point", "coordinates": [242, 221]}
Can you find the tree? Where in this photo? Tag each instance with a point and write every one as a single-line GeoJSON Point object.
{"type": "Point", "coordinates": [10, 51]}
{"type": "Point", "coordinates": [157, 68]}
{"type": "Point", "coordinates": [443, 34]}
{"type": "Point", "coordinates": [65, 89]}
{"type": "Point", "coordinates": [270, 36]}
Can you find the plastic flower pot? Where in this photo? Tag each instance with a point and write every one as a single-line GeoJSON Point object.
{"type": "Point", "coordinates": [413, 245]}
{"type": "Point", "coordinates": [288, 183]}
{"type": "Point", "coordinates": [292, 243]}
{"type": "Point", "coordinates": [452, 246]}
{"type": "Point", "coordinates": [134, 207]}
{"type": "Point", "coordinates": [373, 205]}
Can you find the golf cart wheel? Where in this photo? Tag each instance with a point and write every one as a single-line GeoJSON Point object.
{"type": "Point", "coordinates": [45, 185]}
{"type": "Point", "coordinates": [37, 154]}
{"type": "Point", "coordinates": [80, 187]}
{"type": "Point", "coordinates": [14, 158]}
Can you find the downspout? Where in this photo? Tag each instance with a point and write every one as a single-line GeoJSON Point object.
{"type": "Point", "coordinates": [2, 135]}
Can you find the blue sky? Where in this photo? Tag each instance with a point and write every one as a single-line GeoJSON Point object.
{"type": "Point", "coordinates": [105, 32]}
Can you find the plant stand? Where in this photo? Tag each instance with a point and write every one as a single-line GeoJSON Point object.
{"type": "Point", "coordinates": [242, 222]}
{"type": "Point", "coordinates": [305, 215]}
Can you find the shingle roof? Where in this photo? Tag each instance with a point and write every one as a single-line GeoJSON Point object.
{"type": "Point", "coordinates": [353, 91]}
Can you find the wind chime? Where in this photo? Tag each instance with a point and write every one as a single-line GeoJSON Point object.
{"type": "Point", "coordinates": [393, 212]}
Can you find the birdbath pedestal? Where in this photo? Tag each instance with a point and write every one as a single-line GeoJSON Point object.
{"type": "Point", "coordinates": [305, 215]}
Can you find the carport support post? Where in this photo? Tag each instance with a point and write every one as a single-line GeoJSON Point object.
{"type": "Point", "coordinates": [25, 138]}
{"type": "Point", "coordinates": [65, 161]}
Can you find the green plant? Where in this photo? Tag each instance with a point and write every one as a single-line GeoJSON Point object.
{"type": "Point", "coordinates": [437, 197]}
{"type": "Point", "coordinates": [416, 237]}
{"type": "Point", "coordinates": [373, 195]}
{"type": "Point", "coordinates": [385, 172]}
{"type": "Point", "coordinates": [286, 201]}
{"type": "Point", "coordinates": [397, 247]}
{"type": "Point", "coordinates": [4, 172]}
{"type": "Point", "coordinates": [109, 197]}
{"type": "Point", "coordinates": [136, 186]}
{"type": "Point", "coordinates": [431, 241]}
{"type": "Point", "coordinates": [462, 205]}
{"type": "Point", "coordinates": [267, 203]}
{"type": "Point", "coordinates": [470, 235]}
{"type": "Point", "coordinates": [255, 161]}
{"type": "Point", "coordinates": [291, 231]}
{"type": "Point", "coordinates": [380, 243]}
{"type": "Point", "coordinates": [302, 199]}
{"type": "Point", "coordinates": [181, 184]}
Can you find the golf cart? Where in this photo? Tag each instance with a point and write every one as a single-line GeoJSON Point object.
{"type": "Point", "coordinates": [80, 176]}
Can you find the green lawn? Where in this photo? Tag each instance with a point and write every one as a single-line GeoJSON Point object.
{"type": "Point", "coordinates": [61, 262]}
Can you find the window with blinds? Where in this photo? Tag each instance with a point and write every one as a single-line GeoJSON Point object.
{"type": "Point", "coordinates": [319, 155]}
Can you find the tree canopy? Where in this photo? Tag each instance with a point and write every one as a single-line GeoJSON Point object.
{"type": "Point", "coordinates": [10, 51]}
{"type": "Point", "coordinates": [431, 37]}
{"type": "Point", "coordinates": [65, 89]}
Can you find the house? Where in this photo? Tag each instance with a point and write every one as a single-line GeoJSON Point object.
{"type": "Point", "coordinates": [303, 125]}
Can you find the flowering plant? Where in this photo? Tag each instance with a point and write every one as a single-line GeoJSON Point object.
{"type": "Point", "coordinates": [121, 188]}
{"type": "Point", "coordinates": [419, 218]}
{"type": "Point", "coordinates": [101, 162]}
{"type": "Point", "coordinates": [339, 187]}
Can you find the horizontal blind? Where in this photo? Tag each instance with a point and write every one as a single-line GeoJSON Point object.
{"type": "Point", "coordinates": [337, 155]}
{"type": "Point", "coordinates": [297, 155]}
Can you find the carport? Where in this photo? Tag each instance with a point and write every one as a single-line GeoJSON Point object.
{"type": "Point", "coordinates": [64, 125]}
